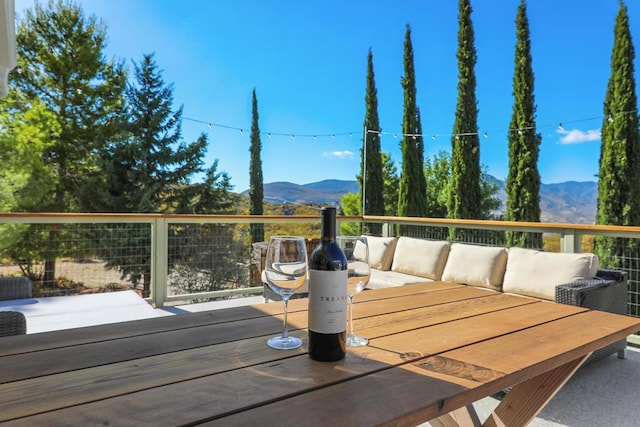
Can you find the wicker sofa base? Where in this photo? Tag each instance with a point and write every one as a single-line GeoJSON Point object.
{"type": "Point", "coordinates": [607, 292]}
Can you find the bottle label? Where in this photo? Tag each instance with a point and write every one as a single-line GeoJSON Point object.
{"type": "Point", "coordinates": [327, 301]}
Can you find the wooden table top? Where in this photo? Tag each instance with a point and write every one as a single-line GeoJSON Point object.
{"type": "Point", "coordinates": [433, 348]}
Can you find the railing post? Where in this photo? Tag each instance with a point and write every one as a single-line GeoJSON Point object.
{"type": "Point", "coordinates": [159, 261]}
{"type": "Point", "coordinates": [570, 241]}
{"type": "Point", "coordinates": [387, 230]}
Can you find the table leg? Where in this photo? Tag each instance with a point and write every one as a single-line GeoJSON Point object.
{"type": "Point", "coordinates": [465, 416]}
{"type": "Point", "coordinates": [527, 399]}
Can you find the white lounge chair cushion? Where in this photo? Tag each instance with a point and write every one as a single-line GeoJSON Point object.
{"type": "Point", "coordinates": [536, 273]}
{"type": "Point", "coordinates": [476, 265]}
{"type": "Point", "coordinates": [381, 252]}
{"type": "Point", "coordinates": [420, 257]}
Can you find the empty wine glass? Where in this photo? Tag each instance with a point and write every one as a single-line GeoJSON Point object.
{"type": "Point", "coordinates": [356, 250]}
{"type": "Point", "coordinates": [285, 271]}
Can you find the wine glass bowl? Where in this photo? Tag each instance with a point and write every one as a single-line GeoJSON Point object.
{"type": "Point", "coordinates": [285, 272]}
{"type": "Point", "coordinates": [356, 250]}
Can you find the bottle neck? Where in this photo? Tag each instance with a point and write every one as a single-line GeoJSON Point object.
{"type": "Point", "coordinates": [328, 224]}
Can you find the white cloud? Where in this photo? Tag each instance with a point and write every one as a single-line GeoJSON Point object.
{"type": "Point", "coordinates": [339, 154]}
{"type": "Point", "coordinates": [576, 136]}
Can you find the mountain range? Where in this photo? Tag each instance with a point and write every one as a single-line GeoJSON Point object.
{"type": "Point", "coordinates": [566, 202]}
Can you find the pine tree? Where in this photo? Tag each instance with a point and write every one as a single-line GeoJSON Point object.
{"type": "Point", "coordinates": [256, 189]}
{"type": "Point", "coordinates": [149, 169]}
{"type": "Point", "coordinates": [371, 169]}
{"type": "Point", "coordinates": [523, 180]}
{"type": "Point", "coordinates": [464, 200]}
{"type": "Point", "coordinates": [61, 63]}
{"type": "Point", "coordinates": [412, 194]}
{"type": "Point", "coordinates": [619, 175]}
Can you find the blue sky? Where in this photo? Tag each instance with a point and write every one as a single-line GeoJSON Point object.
{"type": "Point", "coordinates": [307, 62]}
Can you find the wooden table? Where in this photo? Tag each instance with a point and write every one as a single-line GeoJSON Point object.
{"type": "Point", "coordinates": [434, 350]}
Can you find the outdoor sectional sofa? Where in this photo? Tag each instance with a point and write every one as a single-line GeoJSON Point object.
{"type": "Point", "coordinates": [568, 278]}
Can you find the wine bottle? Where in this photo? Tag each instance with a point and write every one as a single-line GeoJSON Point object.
{"type": "Point", "coordinates": [327, 294]}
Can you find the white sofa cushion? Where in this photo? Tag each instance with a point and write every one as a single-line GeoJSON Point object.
{"type": "Point", "coordinates": [536, 274]}
{"type": "Point", "coordinates": [387, 279]}
{"type": "Point", "coordinates": [420, 257]}
{"type": "Point", "coordinates": [381, 252]}
{"type": "Point", "coordinates": [476, 265]}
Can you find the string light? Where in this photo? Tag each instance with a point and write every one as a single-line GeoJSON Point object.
{"type": "Point", "coordinates": [315, 137]}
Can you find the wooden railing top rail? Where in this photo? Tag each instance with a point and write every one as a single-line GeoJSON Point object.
{"type": "Point", "coordinates": [506, 225]}
{"type": "Point", "coordinates": [51, 217]}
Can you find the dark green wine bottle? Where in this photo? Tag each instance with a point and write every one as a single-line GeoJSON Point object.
{"type": "Point", "coordinates": [327, 294]}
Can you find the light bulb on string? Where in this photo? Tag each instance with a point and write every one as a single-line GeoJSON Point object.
{"type": "Point", "coordinates": [610, 118]}
{"type": "Point", "coordinates": [560, 128]}
{"type": "Point", "coordinates": [241, 131]}
{"type": "Point", "coordinates": [486, 135]}
{"type": "Point", "coordinates": [395, 135]}
{"type": "Point", "coordinates": [209, 124]}
{"type": "Point", "coordinates": [433, 137]}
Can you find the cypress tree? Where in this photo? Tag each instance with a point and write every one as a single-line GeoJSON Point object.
{"type": "Point", "coordinates": [373, 186]}
{"type": "Point", "coordinates": [412, 193]}
{"type": "Point", "coordinates": [464, 198]}
{"type": "Point", "coordinates": [619, 175]}
{"type": "Point", "coordinates": [256, 189]}
{"type": "Point", "coordinates": [523, 180]}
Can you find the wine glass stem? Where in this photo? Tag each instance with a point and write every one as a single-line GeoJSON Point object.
{"type": "Point", "coordinates": [350, 296]}
{"type": "Point", "coordinates": [285, 332]}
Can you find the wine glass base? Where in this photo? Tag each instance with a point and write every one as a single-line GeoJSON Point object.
{"type": "Point", "coordinates": [284, 343]}
{"type": "Point", "coordinates": [356, 341]}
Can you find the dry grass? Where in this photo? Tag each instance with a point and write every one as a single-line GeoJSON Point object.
{"type": "Point", "coordinates": [87, 276]}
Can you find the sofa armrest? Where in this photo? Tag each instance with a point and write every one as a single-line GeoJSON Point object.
{"type": "Point", "coordinates": [12, 323]}
{"type": "Point", "coordinates": [608, 291]}
{"type": "Point", "coordinates": [15, 288]}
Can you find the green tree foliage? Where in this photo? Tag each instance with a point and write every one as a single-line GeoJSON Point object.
{"type": "Point", "coordinates": [523, 180]}
{"type": "Point", "coordinates": [351, 203]}
{"type": "Point", "coordinates": [391, 185]}
{"type": "Point", "coordinates": [61, 64]}
{"type": "Point", "coordinates": [148, 169]}
{"type": "Point", "coordinates": [25, 181]}
{"type": "Point", "coordinates": [619, 175]}
{"type": "Point", "coordinates": [438, 171]}
{"type": "Point", "coordinates": [464, 194]}
{"type": "Point", "coordinates": [256, 188]}
{"type": "Point", "coordinates": [412, 192]}
{"type": "Point", "coordinates": [374, 183]}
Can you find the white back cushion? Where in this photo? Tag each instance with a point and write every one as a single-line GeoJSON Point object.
{"type": "Point", "coordinates": [381, 251]}
{"type": "Point", "coordinates": [536, 274]}
{"type": "Point", "coordinates": [476, 265]}
{"type": "Point", "coordinates": [419, 257]}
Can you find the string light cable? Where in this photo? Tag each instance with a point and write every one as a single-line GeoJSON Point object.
{"type": "Point", "coordinates": [485, 134]}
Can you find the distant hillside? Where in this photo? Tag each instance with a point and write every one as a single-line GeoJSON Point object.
{"type": "Point", "coordinates": [329, 191]}
{"type": "Point", "coordinates": [566, 202]}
